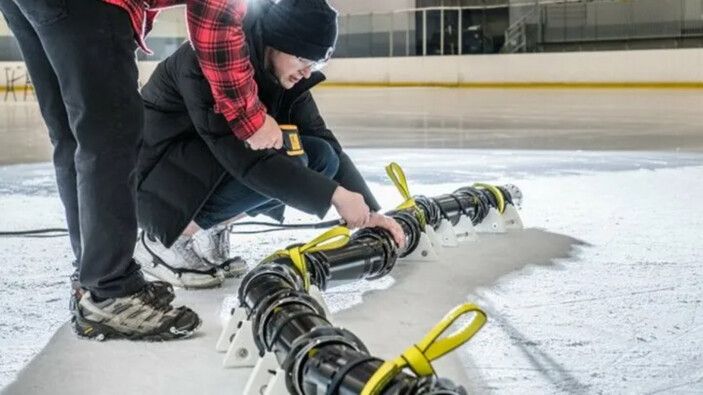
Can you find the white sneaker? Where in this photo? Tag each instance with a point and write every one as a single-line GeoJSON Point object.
{"type": "Point", "coordinates": [212, 245]}
{"type": "Point", "coordinates": [178, 265]}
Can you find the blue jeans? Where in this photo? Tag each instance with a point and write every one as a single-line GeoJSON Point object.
{"type": "Point", "coordinates": [232, 198]}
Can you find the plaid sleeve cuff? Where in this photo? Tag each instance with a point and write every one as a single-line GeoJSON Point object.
{"type": "Point", "coordinates": [247, 123]}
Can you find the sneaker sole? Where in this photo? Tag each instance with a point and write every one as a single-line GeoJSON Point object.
{"type": "Point", "coordinates": [186, 280]}
{"type": "Point", "coordinates": [235, 272]}
{"type": "Point", "coordinates": [232, 268]}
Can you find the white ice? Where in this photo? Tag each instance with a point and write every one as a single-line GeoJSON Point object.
{"type": "Point", "coordinates": [601, 294]}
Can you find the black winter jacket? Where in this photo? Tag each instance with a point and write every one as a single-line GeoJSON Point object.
{"type": "Point", "coordinates": [188, 148]}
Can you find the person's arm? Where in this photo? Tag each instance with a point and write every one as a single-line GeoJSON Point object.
{"type": "Point", "coordinates": [306, 116]}
{"type": "Point", "coordinates": [265, 171]}
{"type": "Point", "coordinates": [215, 28]}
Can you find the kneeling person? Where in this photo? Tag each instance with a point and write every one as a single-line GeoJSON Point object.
{"type": "Point", "coordinates": [196, 177]}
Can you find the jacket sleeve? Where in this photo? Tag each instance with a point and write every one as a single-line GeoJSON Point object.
{"type": "Point", "coordinates": [306, 116]}
{"type": "Point", "coordinates": [349, 177]}
{"type": "Point", "coordinates": [266, 171]}
{"type": "Point", "coordinates": [215, 29]}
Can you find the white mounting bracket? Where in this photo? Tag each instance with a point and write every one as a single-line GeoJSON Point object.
{"type": "Point", "coordinates": [464, 229]}
{"type": "Point", "coordinates": [267, 378]}
{"type": "Point", "coordinates": [512, 218]}
{"type": "Point", "coordinates": [446, 234]}
{"type": "Point", "coordinates": [230, 329]}
{"type": "Point", "coordinates": [242, 352]}
{"type": "Point", "coordinates": [493, 223]}
{"type": "Point", "coordinates": [424, 251]}
{"type": "Point", "coordinates": [434, 238]}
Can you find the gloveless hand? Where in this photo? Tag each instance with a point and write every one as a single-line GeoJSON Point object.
{"type": "Point", "coordinates": [269, 135]}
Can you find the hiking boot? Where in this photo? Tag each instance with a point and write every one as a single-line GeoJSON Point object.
{"type": "Point", "coordinates": [162, 289]}
{"type": "Point", "coordinates": [140, 316]}
{"type": "Point", "coordinates": [178, 265]}
{"type": "Point", "coordinates": [213, 246]}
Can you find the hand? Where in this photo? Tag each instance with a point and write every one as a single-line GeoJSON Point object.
{"type": "Point", "coordinates": [377, 220]}
{"type": "Point", "coordinates": [269, 135]}
{"type": "Point", "coordinates": [351, 207]}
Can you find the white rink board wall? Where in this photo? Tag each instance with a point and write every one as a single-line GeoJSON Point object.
{"type": "Point", "coordinates": [642, 66]}
{"type": "Point", "coordinates": [629, 67]}
{"type": "Point", "coordinates": [610, 67]}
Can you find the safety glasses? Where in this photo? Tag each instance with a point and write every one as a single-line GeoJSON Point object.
{"type": "Point", "coordinates": [315, 65]}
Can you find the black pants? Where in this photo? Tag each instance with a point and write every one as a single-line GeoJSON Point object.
{"type": "Point", "coordinates": [80, 55]}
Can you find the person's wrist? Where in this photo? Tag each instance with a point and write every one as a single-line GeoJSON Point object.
{"type": "Point", "coordinates": [336, 195]}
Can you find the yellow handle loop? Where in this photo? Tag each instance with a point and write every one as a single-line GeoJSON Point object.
{"type": "Point", "coordinates": [331, 240]}
{"type": "Point", "coordinates": [397, 175]}
{"type": "Point", "coordinates": [419, 357]}
{"type": "Point", "coordinates": [496, 192]}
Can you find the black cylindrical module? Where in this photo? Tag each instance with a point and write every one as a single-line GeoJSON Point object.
{"type": "Point", "coordinates": [453, 207]}
{"type": "Point", "coordinates": [288, 322]}
{"type": "Point", "coordinates": [371, 253]}
{"type": "Point", "coordinates": [337, 369]}
{"type": "Point", "coordinates": [433, 214]}
{"type": "Point", "coordinates": [309, 345]}
{"type": "Point", "coordinates": [317, 357]}
{"type": "Point", "coordinates": [471, 202]}
{"type": "Point", "coordinates": [410, 223]}
{"type": "Point", "coordinates": [340, 370]}
{"type": "Point", "coordinates": [367, 254]}
{"type": "Point", "coordinates": [263, 280]}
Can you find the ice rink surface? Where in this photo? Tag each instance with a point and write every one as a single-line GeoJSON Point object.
{"type": "Point", "coordinates": [601, 293]}
{"type": "Point", "coordinates": [596, 119]}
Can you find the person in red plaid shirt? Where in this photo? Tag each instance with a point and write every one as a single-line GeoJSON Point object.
{"type": "Point", "coordinates": [81, 58]}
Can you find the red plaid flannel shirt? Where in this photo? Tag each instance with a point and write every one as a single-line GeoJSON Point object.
{"type": "Point", "coordinates": [215, 30]}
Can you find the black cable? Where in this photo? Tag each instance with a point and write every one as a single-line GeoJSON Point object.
{"type": "Point", "coordinates": [314, 225]}
{"type": "Point", "coordinates": [36, 233]}
{"type": "Point", "coordinates": [62, 232]}
{"type": "Point", "coordinates": [256, 232]}
{"type": "Point", "coordinates": [279, 227]}
{"type": "Point", "coordinates": [38, 236]}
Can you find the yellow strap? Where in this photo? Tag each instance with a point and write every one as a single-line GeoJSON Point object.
{"type": "Point", "coordinates": [397, 175]}
{"type": "Point", "coordinates": [419, 357]}
{"type": "Point", "coordinates": [418, 361]}
{"type": "Point", "coordinates": [331, 240]}
{"type": "Point", "coordinates": [496, 192]}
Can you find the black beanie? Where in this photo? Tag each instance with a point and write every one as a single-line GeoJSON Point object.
{"type": "Point", "coordinates": [304, 28]}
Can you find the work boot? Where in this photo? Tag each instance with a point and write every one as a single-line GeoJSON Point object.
{"type": "Point", "coordinates": [162, 289]}
{"type": "Point", "coordinates": [140, 316]}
